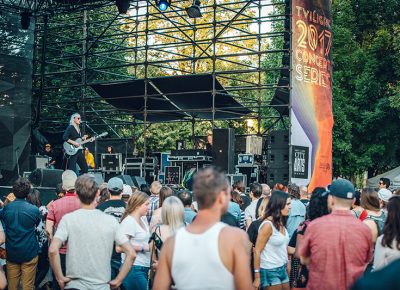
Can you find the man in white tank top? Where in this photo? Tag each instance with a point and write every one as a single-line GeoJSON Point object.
{"type": "Point", "coordinates": [207, 254]}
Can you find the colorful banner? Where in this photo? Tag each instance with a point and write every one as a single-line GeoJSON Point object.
{"type": "Point", "coordinates": [311, 93]}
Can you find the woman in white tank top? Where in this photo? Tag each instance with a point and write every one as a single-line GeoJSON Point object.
{"type": "Point", "coordinates": [134, 225]}
{"type": "Point", "coordinates": [271, 250]}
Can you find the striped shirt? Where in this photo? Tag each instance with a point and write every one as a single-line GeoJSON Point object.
{"type": "Point", "coordinates": [154, 202]}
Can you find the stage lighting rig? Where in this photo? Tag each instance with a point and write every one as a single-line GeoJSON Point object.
{"type": "Point", "coordinates": [163, 4]}
{"type": "Point", "coordinates": [194, 10]}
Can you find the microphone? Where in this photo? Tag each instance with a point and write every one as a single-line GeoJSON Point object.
{"type": "Point", "coordinates": [83, 122]}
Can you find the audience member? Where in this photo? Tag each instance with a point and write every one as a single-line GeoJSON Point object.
{"type": "Point", "coordinates": [104, 195]}
{"type": "Point", "coordinates": [317, 207]}
{"type": "Point", "coordinates": [375, 218]}
{"type": "Point", "coordinates": [134, 225]}
{"type": "Point", "coordinates": [154, 199]}
{"type": "Point", "coordinates": [297, 212]}
{"type": "Point", "coordinates": [237, 198]}
{"type": "Point", "coordinates": [250, 211]}
{"type": "Point", "coordinates": [21, 219]}
{"type": "Point", "coordinates": [384, 196]}
{"type": "Point", "coordinates": [384, 279]}
{"type": "Point", "coordinates": [115, 207]}
{"type": "Point", "coordinates": [358, 211]}
{"type": "Point", "coordinates": [88, 264]}
{"type": "Point", "coordinates": [387, 247]}
{"type": "Point", "coordinates": [173, 219]}
{"type": "Point", "coordinates": [156, 219]}
{"type": "Point", "coordinates": [347, 243]}
{"type": "Point", "coordinates": [271, 252]}
{"type": "Point", "coordinates": [186, 199]}
{"type": "Point", "coordinates": [266, 190]}
{"type": "Point", "coordinates": [43, 262]}
{"type": "Point", "coordinates": [207, 254]}
{"type": "Point", "coordinates": [384, 183]}
{"type": "Point", "coordinates": [304, 195]}
{"type": "Point", "coordinates": [56, 211]}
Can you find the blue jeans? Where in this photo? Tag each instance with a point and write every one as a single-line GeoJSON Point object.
{"type": "Point", "coordinates": [136, 278]}
{"type": "Point", "coordinates": [275, 276]}
{"type": "Point", "coordinates": [115, 265]}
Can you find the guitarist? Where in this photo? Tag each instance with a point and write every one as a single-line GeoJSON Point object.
{"type": "Point", "coordinates": [71, 134]}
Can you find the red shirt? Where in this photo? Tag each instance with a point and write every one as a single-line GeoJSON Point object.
{"type": "Point", "coordinates": [340, 247]}
{"type": "Point", "coordinates": [57, 209]}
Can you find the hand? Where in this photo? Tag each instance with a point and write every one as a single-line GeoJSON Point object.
{"type": "Point", "coordinates": [76, 144]}
{"type": "Point", "coordinates": [114, 284]}
{"type": "Point", "coordinates": [154, 265]}
{"type": "Point", "coordinates": [63, 281]}
{"type": "Point", "coordinates": [256, 283]}
{"type": "Point", "coordinates": [85, 137]}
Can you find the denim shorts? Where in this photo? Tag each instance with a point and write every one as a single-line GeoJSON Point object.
{"type": "Point", "coordinates": [274, 276]}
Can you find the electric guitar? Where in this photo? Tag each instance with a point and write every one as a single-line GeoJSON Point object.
{"type": "Point", "coordinates": [71, 150]}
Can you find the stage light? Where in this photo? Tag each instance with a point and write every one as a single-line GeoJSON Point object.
{"type": "Point", "coordinates": [163, 4]}
{"type": "Point", "coordinates": [123, 6]}
{"type": "Point", "coordinates": [194, 10]}
{"type": "Point", "coordinates": [25, 20]}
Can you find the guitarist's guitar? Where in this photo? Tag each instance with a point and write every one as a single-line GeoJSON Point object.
{"type": "Point", "coordinates": [72, 150]}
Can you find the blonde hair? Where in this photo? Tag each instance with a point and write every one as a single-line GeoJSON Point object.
{"type": "Point", "coordinates": [172, 213]}
{"type": "Point", "coordinates": [155, 187]}
{"type": "Point", "coordinates": [73, 116]}
{"type": "Point", "coordinates": [135, 201]}
{"type": "Point", "coordinates": [263, 206]}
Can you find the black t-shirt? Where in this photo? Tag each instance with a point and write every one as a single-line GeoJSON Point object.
{"type": "Point", "coordinates": [115, 208]}
{"type": "Point", "coordinates": [71, 133]}
{"type": "Point", "coordinates": [229, 219]}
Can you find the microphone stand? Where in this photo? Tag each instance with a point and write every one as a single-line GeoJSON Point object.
{"type": "Point", "coordinates": [16, 155]}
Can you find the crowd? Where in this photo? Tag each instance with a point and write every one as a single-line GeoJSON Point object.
{"type": "Point", "coordinates": [216, 237]}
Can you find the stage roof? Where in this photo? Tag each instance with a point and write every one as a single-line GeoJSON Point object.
{"type": "Point", "coordinates": [172, 98]}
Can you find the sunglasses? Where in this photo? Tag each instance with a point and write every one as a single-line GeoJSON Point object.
{"type": "Point", "coordinates": [380, 182]}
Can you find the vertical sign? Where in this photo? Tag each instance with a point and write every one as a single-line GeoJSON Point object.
{"type": "Point", "coordinates": [311, 94]}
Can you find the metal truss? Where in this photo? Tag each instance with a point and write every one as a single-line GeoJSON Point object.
{"type": "Point", "coordinates": [233, 41]}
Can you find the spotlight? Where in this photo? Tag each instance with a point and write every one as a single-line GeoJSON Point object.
{"type": "Point", "coordinates": [194, 10]}
{"type": "Point", "coordinates": [163, 4]}
{"type": "Point", "coordinates": [25, 20]}
{"type": "Point", "coordinates": [122, 5]}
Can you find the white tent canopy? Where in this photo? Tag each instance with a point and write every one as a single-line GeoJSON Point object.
{"type": "Point", "coordinates": [393, 175]}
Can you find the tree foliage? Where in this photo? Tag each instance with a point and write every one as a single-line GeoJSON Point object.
{"type": "Point", "coordinates": [366, 86]}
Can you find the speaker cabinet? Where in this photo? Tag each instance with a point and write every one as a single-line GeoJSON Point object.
{"type": "Point", "coordinates": [46, 177]}
{"type": "Point", "coordinates": [127, 179]}
{"type": "Point", "coordinates": [224, 149]}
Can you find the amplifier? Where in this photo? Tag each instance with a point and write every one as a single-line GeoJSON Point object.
{"type": "Point", "coordinates": [189, 152]}
{"type": "Point", "coordinates": [235, 177]}
{"type": "Point", "coordinates": [189, 158]}
{"type": "Point", "coordinates": [139, 160]}
{"type": "Point", "coordinates": [251, 172]}
{"type": "Point", "coordinates": [245, 160]}
{"type": "Point", "coordinates": [111, 162]}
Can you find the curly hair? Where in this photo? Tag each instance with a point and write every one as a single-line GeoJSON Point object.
{"type": "Point", "coordinates": [21, 187]}
{"type": "Point", "coordinates": [318, 205]}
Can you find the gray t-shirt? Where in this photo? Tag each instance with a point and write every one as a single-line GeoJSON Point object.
{"type": "Point", "coordinates": [90, 235]}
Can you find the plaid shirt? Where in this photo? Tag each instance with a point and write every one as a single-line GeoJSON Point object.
{"type": "Point", "coordinates": [154, 201]}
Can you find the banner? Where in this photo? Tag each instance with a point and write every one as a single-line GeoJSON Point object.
{"type": "Point", "coordinates": [311, 92]}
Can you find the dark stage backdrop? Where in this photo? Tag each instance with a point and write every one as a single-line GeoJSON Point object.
{"type": "Point", "coordinates": [16, 52]}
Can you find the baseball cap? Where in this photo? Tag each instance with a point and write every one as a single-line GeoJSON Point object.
{"type": "Point", "coordinates": [342, 188]}
{"type": "Point", "coordinates": [68, 180]}
{"type": "Point", "coordinates": [384, 194]}
{"type": "Point", "coordinates": [115, 184]}
{"type": "Point", "coordinates": [127, 190]}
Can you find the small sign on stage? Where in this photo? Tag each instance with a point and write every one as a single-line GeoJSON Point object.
{"type": "Point", "coordinates": [300, 162]}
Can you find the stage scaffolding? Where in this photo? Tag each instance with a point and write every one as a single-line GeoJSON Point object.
{"type": "Point", "coordinates": [91, 43]}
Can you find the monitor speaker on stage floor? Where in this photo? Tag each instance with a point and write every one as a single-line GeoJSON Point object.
{"type": "Point", "coordinates": [46, 177]}
{"type": "Point", "coordinates": [127, 179]}
{"type": "Point", "coordinates": [224, 149]}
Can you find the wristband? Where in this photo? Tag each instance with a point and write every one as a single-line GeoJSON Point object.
{"type": "Point", "coordinates": [142, 250]}
{"type": "Point", "coordinates": [256, 270]}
